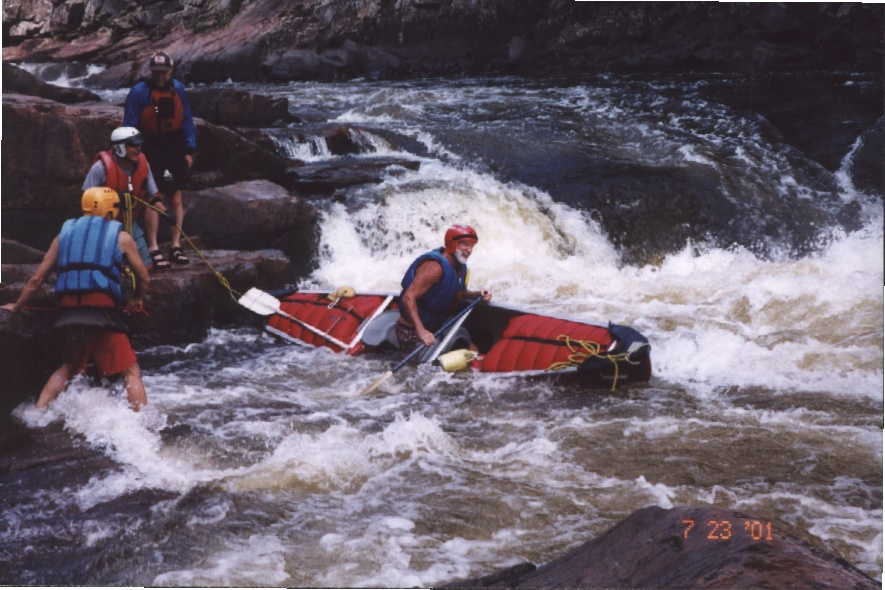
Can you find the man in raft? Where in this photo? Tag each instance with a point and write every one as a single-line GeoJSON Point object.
{"type": "Point", "coordinates": [88, 256]}
{"type": "Point", "coordinates": [434, 285]}
{"type": "Point", "coordinates": [125, 169]}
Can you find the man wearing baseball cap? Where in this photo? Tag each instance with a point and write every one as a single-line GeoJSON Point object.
{"type": "Point", "coordinates": [159, 108]}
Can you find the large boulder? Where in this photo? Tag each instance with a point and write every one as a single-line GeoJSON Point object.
{"type": "Point", "coordinates": [253, 215]}
{"type": "Point", "coordinates": [237, 108]}
{"type": "Point", "coordinates": [17, 80]}
{"type": "Point", "coordinates": [689, 547]}
{"type": "Point", "coordinates": [324, 178]}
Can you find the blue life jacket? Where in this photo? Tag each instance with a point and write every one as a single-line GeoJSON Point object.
{"type": "Point", "coordinates": [89, 258]}
{"type": "Point", "coordinates": [435, 305]}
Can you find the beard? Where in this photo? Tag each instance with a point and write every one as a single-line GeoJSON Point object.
{"type": "Point", "coordinates": [461, 257]}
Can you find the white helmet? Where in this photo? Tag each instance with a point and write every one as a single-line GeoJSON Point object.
{"type": "Point", "coordinates": [123, 136]}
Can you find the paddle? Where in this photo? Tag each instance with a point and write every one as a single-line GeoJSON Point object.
{"type": "Point", "coordinates": [264, 303]}
{"type": "Point", "coordinates": [387, 375]}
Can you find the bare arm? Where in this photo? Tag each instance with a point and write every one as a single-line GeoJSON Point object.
{"type": "Point", "coordinates": [45, 267]}
{"type": "Point", "coordinates": [426, 276]}
{"type": "Point", "coordinates": [127, 245]}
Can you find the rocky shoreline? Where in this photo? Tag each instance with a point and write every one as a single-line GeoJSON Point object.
{"type": "Point", "coordinates": [268, 40]}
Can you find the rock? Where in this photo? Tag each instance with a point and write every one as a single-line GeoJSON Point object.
{"type": "Point", "coordinates": [17, 80]}
{"type": "Point", "coordinates": [28, 353]}
{"type": "Point", "coordinates": [17, 253]}
{"type": "Point", "coordinates": [237, 108]}
{"type": "Point", "coordinates": [840, 111]}
{"type": "Point", "coordinates": [49, 147]}
{"type": "Point", "coordinates": [323, 178]}
{"type": "Point", "coordinates": [183, 303]}
{"type": "Point", "coordinates": [235, 156]}
{"type": "Point", "coordinates": [867, 169]}
{"type": "Point", "coordinates": [318, 40]}
{"type": "Point", "coordinates": [688, 547]}
{"type": "Point", "coordinates": [253, 215]}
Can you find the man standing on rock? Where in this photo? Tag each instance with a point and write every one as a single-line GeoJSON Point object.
{"type": "Point", "coordinates": [432, 286]}
{"type": "Point", "coordinates": [160, 109]}
{"type": "Point", "coordinates": [88, 257]}
{"type": "Point", "coordinates": [126, 170]}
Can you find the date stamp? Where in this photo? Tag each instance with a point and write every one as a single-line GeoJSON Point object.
{"type": "Point", "coordinates": [725, 530]}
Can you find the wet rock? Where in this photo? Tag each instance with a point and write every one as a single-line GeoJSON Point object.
{"type": "Point", "coordinates": [688, 547]}
{"type": "Point", "coordinates": [28, 353]}
{"type": "Point", "coordinates": [237, 108]}
{"type": "Point", "coordinates": [217, 40]}
{"type": "Point", "coordinates": [233, 156]}
{"type": "Point", "coordinates": [17, 80]}
{"type": "Point", "coordinates": [868, 168]}
{"type": "Point", "coordinates": [324, 178]}
{"type": "Point", "coordinates": [17, 253]}
{"type": "Point", "coordinates": [819, 113]}
{"type": "Point", "coordinates": [253, 215]}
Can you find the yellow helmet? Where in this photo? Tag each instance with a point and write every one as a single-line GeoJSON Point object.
{"type": "Point", "coordinates": [100, 201]}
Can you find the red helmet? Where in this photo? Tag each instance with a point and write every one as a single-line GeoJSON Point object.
{"type": "Point", "coordinates": [459, 232]}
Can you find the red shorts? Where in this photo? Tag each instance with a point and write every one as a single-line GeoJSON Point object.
{"type": "Point", "coordinates": [110, 349]}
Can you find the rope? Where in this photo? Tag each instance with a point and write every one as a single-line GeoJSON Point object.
{"type": "Point", "coordinates": [235, 295]}
{"type": "Point", "coordinates": [581, 350]}
{"type": "Point", "coordinates": [128, 214]}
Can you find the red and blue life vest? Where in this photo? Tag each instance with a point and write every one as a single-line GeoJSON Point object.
{"type": "Point", "coordinates": [89, 258]}
{"type": "Point", "coordinates": [436, 304]}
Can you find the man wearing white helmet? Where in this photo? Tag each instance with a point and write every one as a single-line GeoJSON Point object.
{"type": "Point", "coordinates": [126, 170]}
{"type": "Point", "coordinates": [90, 292]}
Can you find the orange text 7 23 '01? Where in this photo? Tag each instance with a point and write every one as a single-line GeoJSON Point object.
{"type": "Point", "coordinates": [724, 530]}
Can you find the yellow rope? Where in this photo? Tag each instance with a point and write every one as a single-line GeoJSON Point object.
{"type": "Point", "coordinates": [235, 295]}
{"type": "Point", "coordinates": [127, 225]}
{"type": "Point", "coordinates": [581, 350]}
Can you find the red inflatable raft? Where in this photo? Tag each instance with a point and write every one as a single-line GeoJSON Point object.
{"type": "Point", "coordinates": [509, 341]}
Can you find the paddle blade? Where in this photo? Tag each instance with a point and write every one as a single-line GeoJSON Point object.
{"type": "Point", "coordinates": [377, 383]}
{"type": "Point", "coordinates": [260, 302]}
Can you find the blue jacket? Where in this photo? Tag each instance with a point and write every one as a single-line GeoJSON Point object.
{"type": "Point", "coordinates": [89, 258]}
{"type": "Point", "coordinates": [435, 306]}
{"type": "Point", "coordinates": [139, 98]}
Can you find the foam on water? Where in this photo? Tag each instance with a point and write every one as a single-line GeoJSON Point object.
{"type": "Point", "coordinates": [258, 560]}
{"type": "Point", "coordinates": [343, 457]}
{"type": "Point", "coordinates": [778, 323]}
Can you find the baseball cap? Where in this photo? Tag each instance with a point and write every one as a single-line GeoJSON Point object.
{"type": "Point", "coordinates": [160, 61]}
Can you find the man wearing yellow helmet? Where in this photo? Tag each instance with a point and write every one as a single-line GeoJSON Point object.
{"type": "Point", "coordinates": [90, 295]}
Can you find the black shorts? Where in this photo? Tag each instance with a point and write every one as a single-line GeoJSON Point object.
{"type": "Point", "coordinates": [168, 165]}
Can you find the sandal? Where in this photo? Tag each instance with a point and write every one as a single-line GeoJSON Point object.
{"type": "Point", "coordinates": [160, 262]}
{"type": "Point", "coordinates": [178, 256]}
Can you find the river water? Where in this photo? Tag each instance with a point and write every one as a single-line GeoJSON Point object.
{"type": "Point", "coordinates": [258, 463]}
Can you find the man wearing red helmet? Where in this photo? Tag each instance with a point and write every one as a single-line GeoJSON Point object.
{"type": "Point", "coordinates": [433, 285]}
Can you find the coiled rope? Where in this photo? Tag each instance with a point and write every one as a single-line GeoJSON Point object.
{"type": "Point", "coordinates": [581, 350]}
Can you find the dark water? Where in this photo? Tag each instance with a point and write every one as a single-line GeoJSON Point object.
{"type": "Point", "coordinates": [260, 464]}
